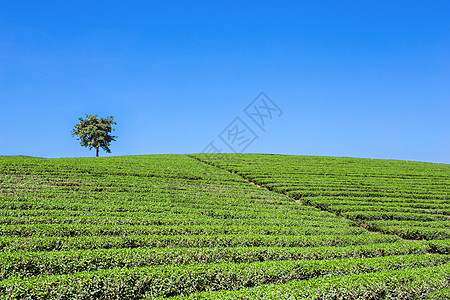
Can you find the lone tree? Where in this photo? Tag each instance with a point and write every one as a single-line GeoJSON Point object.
{"type": "Point", "coordinates": [94, 132]}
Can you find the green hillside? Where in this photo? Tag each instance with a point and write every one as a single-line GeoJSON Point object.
{"type": "Point", "coordinates": [223, 226]}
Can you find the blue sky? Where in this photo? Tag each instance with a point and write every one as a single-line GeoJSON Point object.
{"type": "Point", "coordinates": [352, 78]}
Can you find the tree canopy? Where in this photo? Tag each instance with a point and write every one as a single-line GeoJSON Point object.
{"type": "Point", "coordinates": [94, 132]}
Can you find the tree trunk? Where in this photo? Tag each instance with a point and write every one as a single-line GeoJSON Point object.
{"type": "Point", "coordinates": [97, 151]}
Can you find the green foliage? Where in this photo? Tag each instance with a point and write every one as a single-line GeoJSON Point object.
{"type": "Point", "coordinates": [413, 197]}
{"type": "Point", "coordinates": [125, 230]}
{"type": "Point", "coordinates": [439, 294]}
{"type": "Point", "coordinates": [171, 280]}
{"type": "Point", "coordinates": [26, 264]}
{"type": "Point", "coordinates": [398, 284]}
{"type": "Point", "coordinates": [94, 132]}
{"type": "Point", "coordinates": [134, 227]}
{"type": "Point", "coordinates": [51, 243]}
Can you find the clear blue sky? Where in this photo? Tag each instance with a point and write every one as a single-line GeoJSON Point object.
{"type": "Point", "coordinates": [353, 78]}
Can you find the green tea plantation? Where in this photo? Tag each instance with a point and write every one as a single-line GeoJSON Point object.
{"type": "Point", "coordinates": [223, 226]}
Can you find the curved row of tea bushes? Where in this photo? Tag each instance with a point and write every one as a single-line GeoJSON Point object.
{"type": "Point", "coordinates": [168, 280]}
{"type": "Point", "coordinates": [417, 283]}
{"type": "Point", "coordinates": [10, 244]}
{"type": "Point", "coordinates": [25, 264]}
